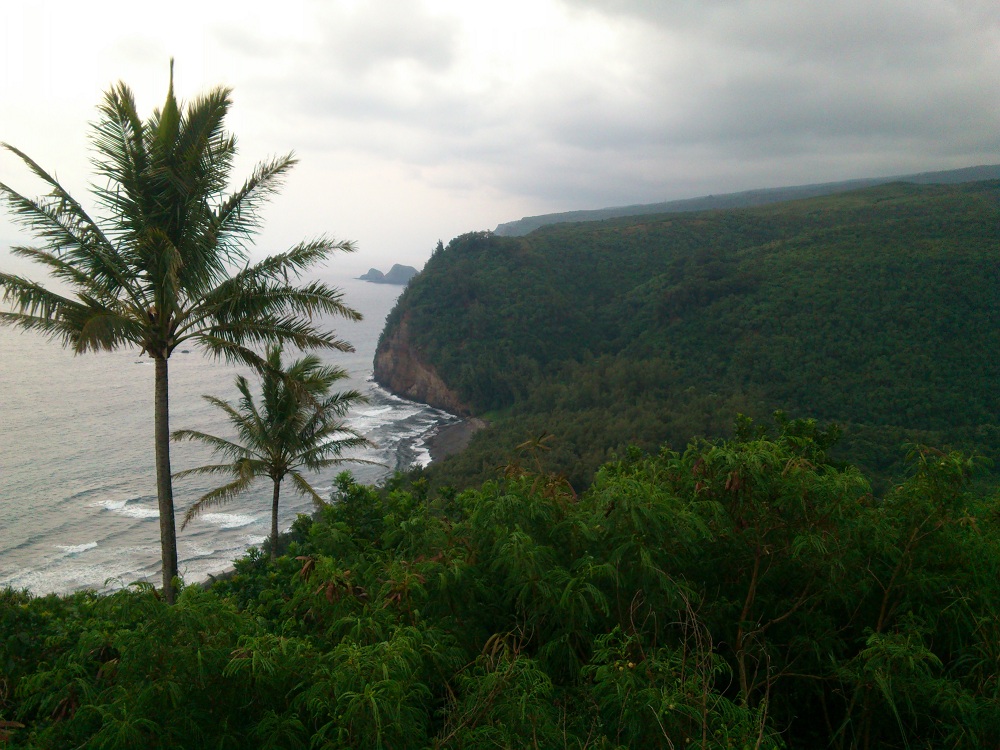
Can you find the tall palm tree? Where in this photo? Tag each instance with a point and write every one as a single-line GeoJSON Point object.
{"type": "Point", "coordinates": [297, 426]}
{"type": "Point", "coordinates": [165, 262]}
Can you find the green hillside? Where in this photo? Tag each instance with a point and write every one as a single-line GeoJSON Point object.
{"type": "Point", "coordinates": [877, 309]}
{"type": "Point", "coordinates": [747, 198]}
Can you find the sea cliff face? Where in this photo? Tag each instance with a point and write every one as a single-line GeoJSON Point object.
{"type": "Point", "coordinates": [400, 369]}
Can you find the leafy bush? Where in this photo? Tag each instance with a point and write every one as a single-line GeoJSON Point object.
{"type": "Point", "coordinates": [744, 593]}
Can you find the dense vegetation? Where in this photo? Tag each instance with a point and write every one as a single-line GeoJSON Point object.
{"type": "Point", "coordinates": [747, 198]}
{"type": "Point", "coordinates": [744, 594]}
{"type": "Point", "coordinates": [877, 309]}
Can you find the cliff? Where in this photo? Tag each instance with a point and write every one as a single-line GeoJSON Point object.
{"type": "Point", "coordinates": [400, 369]}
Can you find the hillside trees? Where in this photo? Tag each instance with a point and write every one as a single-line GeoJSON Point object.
{"type": "Point", "coordinates": [166, 263]}
{"type": "Point", "coordinates": [869, 308]}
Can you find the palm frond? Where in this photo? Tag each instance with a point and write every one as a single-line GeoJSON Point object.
{"type": "Point", "coordinates": [62, 204]}
{"type": "Point", "coordinates": [99, 328]}
{"type": "Point", "coordinates": [198, 173]}
{"type": "Point", "coordinates": [201, 470]}
{"type": "Point", "coordinates": [203, 149]}
{"type": "Point", "coordinates": [168, 123]}
{"type": "Point", "coordinates": [340, 402]}
{"type": "Point", "coordinates": [220, 446]}
{"type": "Point", "coordinates": [85, 324]}
{"type": "Point", "coordinates": [70, 234]}
{"type": "Point", "coordinates": [306, 489]}
{"type": "Point", "coordinates": [119, 138]}
{"type": "Point", "coordinates": [31, 297]}
{"type": "Point", "coordinates": [314, 461]}
{"type": "Point", "coordinates": [223, 348]}
{"type": "Point", "coordinates": [159, 262]}
{"type": "Point", "coordinates": [238, 218]}
{"type": "Point", "coordinates": [272, 275]}
{"type": "Point", "coordinates": [220, 495]}
{"type": "Point", "coordinates": [50, 327]}
{"type": "Point", "coordinates": [58, 267]}
{"type": "Point", "coordinates": [233, 341]}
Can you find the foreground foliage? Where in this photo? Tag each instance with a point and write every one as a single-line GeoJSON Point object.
{"type": "Point", "coordinates": [743, 594]}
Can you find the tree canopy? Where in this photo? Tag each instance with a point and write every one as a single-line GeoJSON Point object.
{"type": "Point", "coordinates": [873, 309]}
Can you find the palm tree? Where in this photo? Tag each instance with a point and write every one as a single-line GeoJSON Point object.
{"type": "Point", "coordinates": [298, 425]}
{"type": "Point", "coordinates": [165, 263]}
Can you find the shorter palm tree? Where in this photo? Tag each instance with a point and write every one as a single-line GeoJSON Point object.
{"type": "Point", "coordinates": [298, 426]}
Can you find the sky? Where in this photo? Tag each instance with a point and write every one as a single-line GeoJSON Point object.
{"type": "Point", "coordinates": [419, 120]}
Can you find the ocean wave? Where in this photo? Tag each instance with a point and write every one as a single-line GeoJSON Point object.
{"type": "Point", "coordinates": [228, 520]}
{"type": "Point", "coordinates": [423, 457]}
{"type": "Point", "coordinates": [76, 549]}
{"type": "Point", "coordinates": [126, 509]}
{"type": "Point", "coordinates": [367, 425]}
{"type": "Point", "coordinates": [136, 511]}
{"type": "Point", "coordinates": [378, 411]}
{"type": "Point", "coordinates": [196, 552]}
{"type": "Point", "coordinates": [112, 505]}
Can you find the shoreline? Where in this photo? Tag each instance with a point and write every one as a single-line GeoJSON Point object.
{"type": "Point", "coordinates": [453, 438]}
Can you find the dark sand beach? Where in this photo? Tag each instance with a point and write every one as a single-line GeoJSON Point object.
{"type": "Point", "coordinates": [452, 438]}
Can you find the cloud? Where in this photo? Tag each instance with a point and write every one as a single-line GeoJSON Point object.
{"type": "Point", "coordinates": [590, 98]}
{"type": "Point", "coordinates": [470, 114]}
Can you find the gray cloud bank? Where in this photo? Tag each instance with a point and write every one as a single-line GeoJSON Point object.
{"type": "Point", "coordinates": [416, 120]}
{"type": "Point", "coordinates": [675, 98]}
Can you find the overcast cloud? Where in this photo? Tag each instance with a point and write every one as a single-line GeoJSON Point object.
{"type": "Point", "coordinates": [415, 121]}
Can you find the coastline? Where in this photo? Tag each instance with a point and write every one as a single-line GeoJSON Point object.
{"type": "Point", "coordinates": [452, 438]}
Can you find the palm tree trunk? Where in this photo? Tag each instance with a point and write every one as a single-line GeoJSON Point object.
{"type": "Point", "coordinates": [274, 519]}
{"type": "Point", "coordinates": [164, 487]}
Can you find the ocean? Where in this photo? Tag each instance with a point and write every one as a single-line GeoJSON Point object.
{"type": "Point", "coordinates": [77, 478]}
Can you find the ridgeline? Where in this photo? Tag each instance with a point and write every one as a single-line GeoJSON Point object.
{"type": "Point", "coordinates": [877, 309]}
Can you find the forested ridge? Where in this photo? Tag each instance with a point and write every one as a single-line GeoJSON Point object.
{"type": "Point", "coordinates": [877, 309]}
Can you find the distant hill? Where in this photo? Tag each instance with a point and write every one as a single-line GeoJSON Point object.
{"type": "Point", "coordinates": [398, 274]}
{"type": "Point", "coordinates": [747, 198]}
{"type": "Point", "coordinates": [876, 308]}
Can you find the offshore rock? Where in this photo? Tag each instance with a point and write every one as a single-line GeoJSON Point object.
{"type": "Point", "coordinates": [398, 274]}
{"type": "Point", "coordinates": [400, 369]}
{"type": "Point", "coordinates": [373, 275]}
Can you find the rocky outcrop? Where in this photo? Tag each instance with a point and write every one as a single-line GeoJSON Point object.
{"type": "Point", "coordinates": [400, 369]}
{"type": "Point", "coordinates": [373, 275]}
{"type": "Point", "coordinates": [398, 274]}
